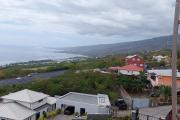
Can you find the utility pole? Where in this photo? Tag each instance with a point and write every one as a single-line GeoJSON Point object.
{"type": "Point", "coordinates": [174, 60]}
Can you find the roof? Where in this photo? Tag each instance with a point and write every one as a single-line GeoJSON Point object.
{"type": "Point", "coordinates": [157, 112]}
{"type": "Point", "coordinates": [131, 56]}
{"type": "Point", "coordinates": [25, 96]}
{"type": "Point", "coordinates": [99, 99]}
{"type": "Point", "coordinates": [163, 72]}
{"type": "Point", "coordinates": [51, 100]}
{"type": "Point", "coordinates": [15, 111]}
{"type": "Point", "coordinates": [127, 67]}
{"type": "Point", "coordinates": [160, 56]}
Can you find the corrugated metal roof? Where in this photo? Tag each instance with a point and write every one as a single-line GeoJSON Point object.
{"type": "Point", "coordinates": [163, 72]}
{"type": "Point", "coordinates": [15, 111]}
{"type": "Point", "coordinates": [99, 99]}
{"type": "Point", "coordinates": [25, 96]}
{"type": "Point", "coordinates": [157, 112]}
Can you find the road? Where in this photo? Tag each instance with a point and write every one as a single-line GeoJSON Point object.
{"type": "Point", "coordinates": [26, 79]}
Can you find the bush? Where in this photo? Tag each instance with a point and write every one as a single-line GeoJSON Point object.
{"type": "Point", "coordinates": [76, 114]}
{"type": "Point", "coordinates": [52, 114]}
{"type": "Point", "coordinates": [42, 118]}
{"type": "Point", "coordinates": [58, 111]}
{"type": "Point", "coordinates": [120, 118]}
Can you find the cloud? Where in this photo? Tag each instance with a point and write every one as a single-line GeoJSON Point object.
{"type": "Point", "coordinates": [114, 19]}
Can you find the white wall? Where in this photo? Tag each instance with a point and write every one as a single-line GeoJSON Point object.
{"type": "Point", "coordinates": [89, 108]}
{"type": "Point", "coordinates": [31, 118]}
{"type": "Point", "coordinates": [42, 110]}
{"type": "Point", "coordinates": [38, 104]}
{"type": "Point", "coordinates": [125, 72]}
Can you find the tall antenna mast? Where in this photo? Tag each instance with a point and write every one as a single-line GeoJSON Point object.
{"type": "Point", "coordinates": [174, 60]}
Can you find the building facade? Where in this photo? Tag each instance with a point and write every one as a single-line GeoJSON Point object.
{"type": "Point", "coordinates": [85, 103]}
{"type": "Point", "coordinates": [38, 102]}
{"type": "Point", "coordinates": [160, 77]}
{"type": "Point", "coordinates": [135, 60]}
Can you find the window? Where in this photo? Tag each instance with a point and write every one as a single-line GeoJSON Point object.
{"type": "Point", "coordinates": [135, 64]}
{"type": "Point", "coordinates": [141, 65]}
{"type": "Point", "coordinates": [102, 100]}
{"type": "Point", "coordinates": [62, 106]}
{"type": "Point", "coordinates": [133, 59]}
{"type": "Point", "coordinates": [138, 59]}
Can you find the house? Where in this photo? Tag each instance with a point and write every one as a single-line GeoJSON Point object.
{"type": "Point", "coordinates": [154, 113]}
{"type": "Point", "coordinates": [160, 58]}
{"type": "Point", "coordinates": [127, 70]}
{"type": "Point", "coordinates": [31, 100]}
{"type": "Point", "coordinates": [162, 77]}
{"type": "Point", "coordinates": [135, 60]}
{"type": "Point", "coordinates": [84, 103]}
{"type": "Point", "coordinates": [16, 111]}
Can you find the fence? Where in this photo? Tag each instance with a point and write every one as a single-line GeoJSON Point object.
{"type": "Point", "coordinates": [144, 117]}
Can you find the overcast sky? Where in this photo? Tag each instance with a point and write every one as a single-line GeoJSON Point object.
{"type": "Point", "coordinates": [62, 23]}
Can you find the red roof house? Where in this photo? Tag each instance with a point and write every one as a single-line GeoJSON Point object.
{"type": "Point", "coordinates": [128, 69]}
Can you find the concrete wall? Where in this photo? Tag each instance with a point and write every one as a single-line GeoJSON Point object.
{"type": "Point", "coordinates": [89, 108]}
{"type": "Point", "coordinates": [125, 72]}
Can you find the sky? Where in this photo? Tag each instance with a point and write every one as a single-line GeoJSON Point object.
{"type": "Point", "coordinates": [63, 23]}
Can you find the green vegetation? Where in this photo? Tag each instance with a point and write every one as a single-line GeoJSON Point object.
{"type": "Point", "coordinates": [86, 82]}
{"type": "Point", "coordinates": [22, 70]}
{"type": "Point", "coordinates": [50, 115]}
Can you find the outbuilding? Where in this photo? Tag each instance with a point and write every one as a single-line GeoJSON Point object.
{"type": "Point", "coordinates": [84, 103]}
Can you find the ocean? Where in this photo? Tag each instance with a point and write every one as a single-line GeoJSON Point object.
{"type": "Point", "coordinates": [16, 54]}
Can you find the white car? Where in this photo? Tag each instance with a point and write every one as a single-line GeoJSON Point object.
{"type": "Point", "coordinates": [29, 75]}
{"type": "Point", "coordinates": [18, 78]}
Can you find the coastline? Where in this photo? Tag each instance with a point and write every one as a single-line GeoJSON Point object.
{"type": "Point", "coordinates": [45, 61]}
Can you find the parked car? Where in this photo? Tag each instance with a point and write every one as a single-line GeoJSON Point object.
{"type": "Point", "coordinates": [29, 75]}
{"type": "Point", "coordinates": [120, 103]}
{"type": "Point", "coordinates": [18, 78]}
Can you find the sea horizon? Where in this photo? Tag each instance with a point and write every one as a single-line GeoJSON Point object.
{"type": "Point", "coordinates": [17, 54]}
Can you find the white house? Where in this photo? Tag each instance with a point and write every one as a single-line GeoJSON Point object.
{"type": "Point", "coordinates": [34, 101]}
{"type": "Point", "coordinates": [127, 70]}
{"type": "Point", "coordinates": [15, 111]}
{"type": "Point", "coordinates": [160, 58]}
{"type": "Point", "coordinates": [84, 103]}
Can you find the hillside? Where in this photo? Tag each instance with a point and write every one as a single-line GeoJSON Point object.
{"type": "Point", "coordinates": [126, 47]}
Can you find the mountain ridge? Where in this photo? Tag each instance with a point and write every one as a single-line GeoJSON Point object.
{"type": "Point", "coordinates": [100, 50]}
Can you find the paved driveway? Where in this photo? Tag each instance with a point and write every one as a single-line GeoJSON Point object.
{"type": "Point", "coordinates": [63, 117]}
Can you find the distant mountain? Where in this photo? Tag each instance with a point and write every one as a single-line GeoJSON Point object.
{"type": "Point", "coordinates": [126, 47]}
